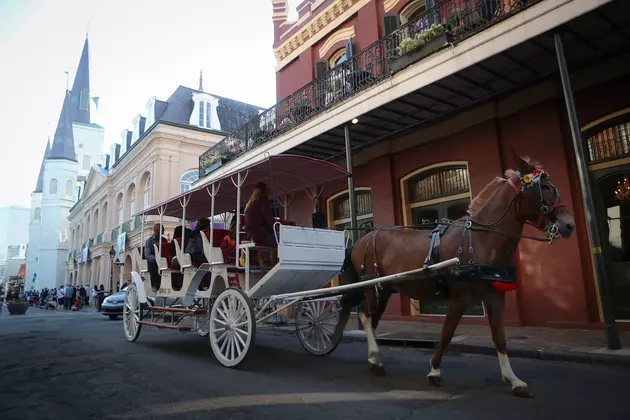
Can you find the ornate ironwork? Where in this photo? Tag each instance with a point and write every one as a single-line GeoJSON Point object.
{"type": "Point", "coordinates": [459, 18]}
{"type": "Point", "coordinates": [442, 183]}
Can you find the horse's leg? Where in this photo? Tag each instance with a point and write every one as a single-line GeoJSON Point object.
{"type": "Point", "coordinates": [495, 306]}
{"type": "Point", "coordinates": [370, 307]}
{"type": "Point", "coordinates": [456, 307]}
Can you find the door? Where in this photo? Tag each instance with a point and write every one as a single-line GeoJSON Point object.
{"type": "Point", "coordinates": [613, 196]}
{"type": "Point", "coordinates": [453, 210]}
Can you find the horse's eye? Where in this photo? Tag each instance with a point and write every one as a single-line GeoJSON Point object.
{"type": "Point", "coordinates": [546, 187]}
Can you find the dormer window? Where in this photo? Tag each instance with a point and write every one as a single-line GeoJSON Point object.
{"type": "Point", "coordinates": [204, 114]}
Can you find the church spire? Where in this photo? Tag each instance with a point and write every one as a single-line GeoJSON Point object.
{"type": "Point", "coordinates": [76, 108]}
{"type": "Point", "coordinates": [40, 179]}
{"type": "Point", "coordinates": [201, 80]}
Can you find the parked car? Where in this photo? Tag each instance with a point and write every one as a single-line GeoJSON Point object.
{"type": "Point", "coordinates": [113, 304]}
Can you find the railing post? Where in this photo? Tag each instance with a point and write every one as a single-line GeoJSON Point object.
{"type": "Point", "coordinates": [610, 326]}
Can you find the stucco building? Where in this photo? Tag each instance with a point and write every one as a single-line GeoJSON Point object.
{"type": "Point", "coordinates": [432, 97]}
{"type": "Point", "coordinates": [156, 159]}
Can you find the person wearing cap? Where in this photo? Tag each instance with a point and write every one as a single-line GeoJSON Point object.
{"type": "Point", "coordinates": [259, 219]}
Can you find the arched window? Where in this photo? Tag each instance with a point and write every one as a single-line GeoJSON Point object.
{"type": "Point", "coordinates": [104, 221]}
{"type": "Point", "coordinates": [89, 229]}
{"type": "Point", "coordinates": [610, 140]}
{"type": "Point", "coordinates": [53, 186]}
{"type": "Point", "coordinates": [69, 188]}
{"type": "Point", "coordinates": [132, 203]}
{"type": "Point", "coordinates": [96, 221]}
{"type": "Point", "coordinates": [187, 179]}
{"type": "Point", "coordinates": [338, 57]}
{"type": "Point", "coordinates": [121, 209]}
{"type": "Point", "coordinates": [436, 192]}
{"type": "Point", "coordinates": [147, 192]}
{"type": "Point", "coordinates": [339, 210]}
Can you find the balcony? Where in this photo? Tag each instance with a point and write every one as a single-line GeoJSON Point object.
{"type": "Point", "coordinates": [99, 238]}
{"type": "Point", "coordinates": [447, 23]}
{"type": "Point", "coordinates": [114, 235]}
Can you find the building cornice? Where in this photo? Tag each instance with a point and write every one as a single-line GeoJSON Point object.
{"type": "Point", "coordinates": [316, 29]}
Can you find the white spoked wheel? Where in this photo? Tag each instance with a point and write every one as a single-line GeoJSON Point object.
{"type": "Point", "coordinates": [232, 327]}
{"type": "Point", "coordinates": [131, 313]}
{"type": "Point", "coordinates": [315, 323]}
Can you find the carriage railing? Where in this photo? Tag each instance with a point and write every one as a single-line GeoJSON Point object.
{"type": "Point", "coordinates": [459, 18]}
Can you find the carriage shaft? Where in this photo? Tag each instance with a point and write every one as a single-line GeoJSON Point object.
{"type": "Point", "coordinates": [366, 283]}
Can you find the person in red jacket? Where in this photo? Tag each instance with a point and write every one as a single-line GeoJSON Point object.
{"type": "Point", "coordinates": [259, 219]}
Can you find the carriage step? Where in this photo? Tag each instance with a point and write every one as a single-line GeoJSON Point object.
{"type": "Point", "coordinates": [167, 326]}
{"type": "Point", "coordinates": [177, 310]}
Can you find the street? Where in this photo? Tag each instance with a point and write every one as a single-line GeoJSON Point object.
{"type": "Point", "coordinates": [79, 366]}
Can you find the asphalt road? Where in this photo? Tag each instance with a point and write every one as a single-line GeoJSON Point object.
{"type": "Point", "coordinates": [79, 366]}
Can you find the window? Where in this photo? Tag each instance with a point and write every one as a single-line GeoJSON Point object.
{"type": "Point", "coordinates": [132, 203]}
{"type": "Point", "coordinates": [120, 209]}
{"type": "Point", "coordinates": [38, 214]}
{"type": "Point", "coordinates": [84, 101]}
{"type": "Point", "coordinates": [434, 193]}
{"type": "Point", "coordinates": [204, 114]}
{"type": "Point", "coordinates": [86, 162]}
{"type": "Point", "coordinates": [69, 188]}
{"type": "Point", "coordinates": [609, 142]}
{"type": "Point", "coordinates": [53, 186]}
{"type": "Point", "coordinates": [187, 179]}
{"type": "Point", "coordinates": [147, 193]}
{"type": "Point", "coordinates": [339, 211]}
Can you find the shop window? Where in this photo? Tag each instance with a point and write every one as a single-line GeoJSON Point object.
{"type": "Point", "coordinates": [339, 211]}
{"type": "Point", "coordinates": [610, 141]}
{"type": "Point", "coordinates": [437, 192]}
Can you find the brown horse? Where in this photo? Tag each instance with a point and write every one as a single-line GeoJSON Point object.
{"type": "Point", "coordinates": [484, 242]}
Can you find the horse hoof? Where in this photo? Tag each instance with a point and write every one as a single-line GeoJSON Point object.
{"type": "Point", "coordinates": [522, 392]}
{"type": "Point", "coordinates": [376, 369]}
{"type": "Point", "coordinates": [436, 381]}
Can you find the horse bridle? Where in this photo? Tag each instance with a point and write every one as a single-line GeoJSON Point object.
{"type": "Point", "coordinates": [531, 188]}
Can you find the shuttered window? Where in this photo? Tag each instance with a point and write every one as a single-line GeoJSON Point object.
{"type": "Point", "coordinates": [321, 67]}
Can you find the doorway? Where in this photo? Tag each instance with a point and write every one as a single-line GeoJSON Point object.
{"type": "Point", "coordinates": [612, 194]}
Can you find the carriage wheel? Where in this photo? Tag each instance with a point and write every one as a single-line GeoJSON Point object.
{"type": "Point", "coordinates": [232, 327]}
{"type": "Point", "coordinates": [315, 324]}
{"type": "Point", "coordinates": [131, 314]}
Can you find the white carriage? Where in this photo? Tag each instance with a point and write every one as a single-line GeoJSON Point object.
{"type": "Point", "coordinates": [226, 300]}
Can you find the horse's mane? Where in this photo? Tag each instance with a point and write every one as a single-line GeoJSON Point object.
{"type": "Point", "coordinates": [485, 195]}
{"type": "Point", "coordinates": [491, 189]}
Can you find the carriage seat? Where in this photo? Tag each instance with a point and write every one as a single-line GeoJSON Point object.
{"type": "Point", "coordinates": [165, 258]}
{"type": "Point", "coordinates": [182, 257]}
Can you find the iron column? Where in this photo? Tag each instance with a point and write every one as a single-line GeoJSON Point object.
{"type": "Point", "coordinates": [610, 326]}
{"type": "Point", "coordinates": [352, 199]}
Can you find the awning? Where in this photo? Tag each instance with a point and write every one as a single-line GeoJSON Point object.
{"type": "Point", "coordinates": [283, 174]}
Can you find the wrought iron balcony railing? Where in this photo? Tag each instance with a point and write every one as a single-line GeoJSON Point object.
{"type": "Point", "coordinates": [99, 238]}
{"type": "Point", "coordinates": [460, 19]}
{"type": "Point", "coordinates": [114, 235]}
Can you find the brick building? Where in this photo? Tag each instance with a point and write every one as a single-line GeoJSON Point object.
{"type": "Point", "coordinates": [434, 96]}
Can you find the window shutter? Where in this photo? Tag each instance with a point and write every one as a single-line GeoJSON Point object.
{"type": "Point", "coordinates": [349, 50]}
{"type": "Point", "coordinates": [321, 67]}
{"type": "Point", "coordinates": [390, 23]}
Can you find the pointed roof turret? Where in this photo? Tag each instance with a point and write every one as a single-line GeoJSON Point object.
{"type": "Point", "coordinates": [40, 179]}
{"type": "Point", "coordinates": [81, 88]}
{"type": "Point", "coordinates": [63, 142]}
{"type": "Point", "coordinates": [201, 80]}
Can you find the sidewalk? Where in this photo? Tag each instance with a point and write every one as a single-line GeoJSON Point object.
{"type": "Point", "coordinates": [527, 342]}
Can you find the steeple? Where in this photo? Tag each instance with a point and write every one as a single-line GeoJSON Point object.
{"type": "Point", "coordinates": [76, 108]}
{"type": "Point", "coordinates": [201, 80]}
{"type": "Point", "coordinates": [40, 179]}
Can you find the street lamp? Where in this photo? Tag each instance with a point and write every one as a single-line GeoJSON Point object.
{"type": "Point", "coordinates": [112, 255]}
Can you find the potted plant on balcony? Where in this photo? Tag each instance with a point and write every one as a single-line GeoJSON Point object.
{"type": "Point", "coordinates": [415, 48]}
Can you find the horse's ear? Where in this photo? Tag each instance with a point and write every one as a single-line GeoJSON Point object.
{"type": "Point", "coordinates": [522, 164]}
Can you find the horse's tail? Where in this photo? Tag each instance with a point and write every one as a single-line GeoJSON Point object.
{"type": "Point", "coordinates": [349, 275]}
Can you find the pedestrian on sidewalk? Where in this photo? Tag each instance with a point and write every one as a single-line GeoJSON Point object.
{"type": "Point", "coordinates": [61, 294]}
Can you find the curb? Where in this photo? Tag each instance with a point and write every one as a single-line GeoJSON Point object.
{"type": "Point", "coordinates": [552, 355]}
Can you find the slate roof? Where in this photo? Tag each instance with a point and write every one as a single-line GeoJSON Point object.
{"type": "Point", "coordinates": [39, 187]}
{"type": "Point", "coordinates": [178, 108]}
{"type": "Point", "coordinates": [63, 141]}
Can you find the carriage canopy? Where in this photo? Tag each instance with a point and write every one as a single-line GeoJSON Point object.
{"type": "Point", "coordinates": [283, 174]}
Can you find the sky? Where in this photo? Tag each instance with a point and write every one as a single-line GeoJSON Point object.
{"type": "Point", "coordinates": [138, 49]}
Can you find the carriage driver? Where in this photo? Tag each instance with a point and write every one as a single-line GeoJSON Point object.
{"type": "Point", "coordinates": [259, 219]}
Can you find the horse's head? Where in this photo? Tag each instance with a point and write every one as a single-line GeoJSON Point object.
{"type": "Point", "coordinates": [540, 203]}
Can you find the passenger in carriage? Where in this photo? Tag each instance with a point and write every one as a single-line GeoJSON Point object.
{"type": "Point", "coordinates": [194, 246]}
{"type": "Point", "coordinates": [177, 234]}
{"type": "Point", "coordinates": [259, 218]}
{"type": "Point", "coordinates": [149, 251]}
{"type": "Point", "coordinates": [228, 246]}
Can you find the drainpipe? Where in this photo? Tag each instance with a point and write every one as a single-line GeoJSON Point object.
{"type": "Point", "coordinates": [610, 327]}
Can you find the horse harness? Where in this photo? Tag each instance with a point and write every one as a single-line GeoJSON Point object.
{"type": "Point", "coordinates": [502, 278]}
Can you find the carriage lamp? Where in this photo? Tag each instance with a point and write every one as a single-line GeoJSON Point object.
{"type": "Point", "coordinates": [355, 120]}
{"type": "Point", "coordinates": [622, 192]}
{"type": "Point", "coordinates": [112, 253]}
